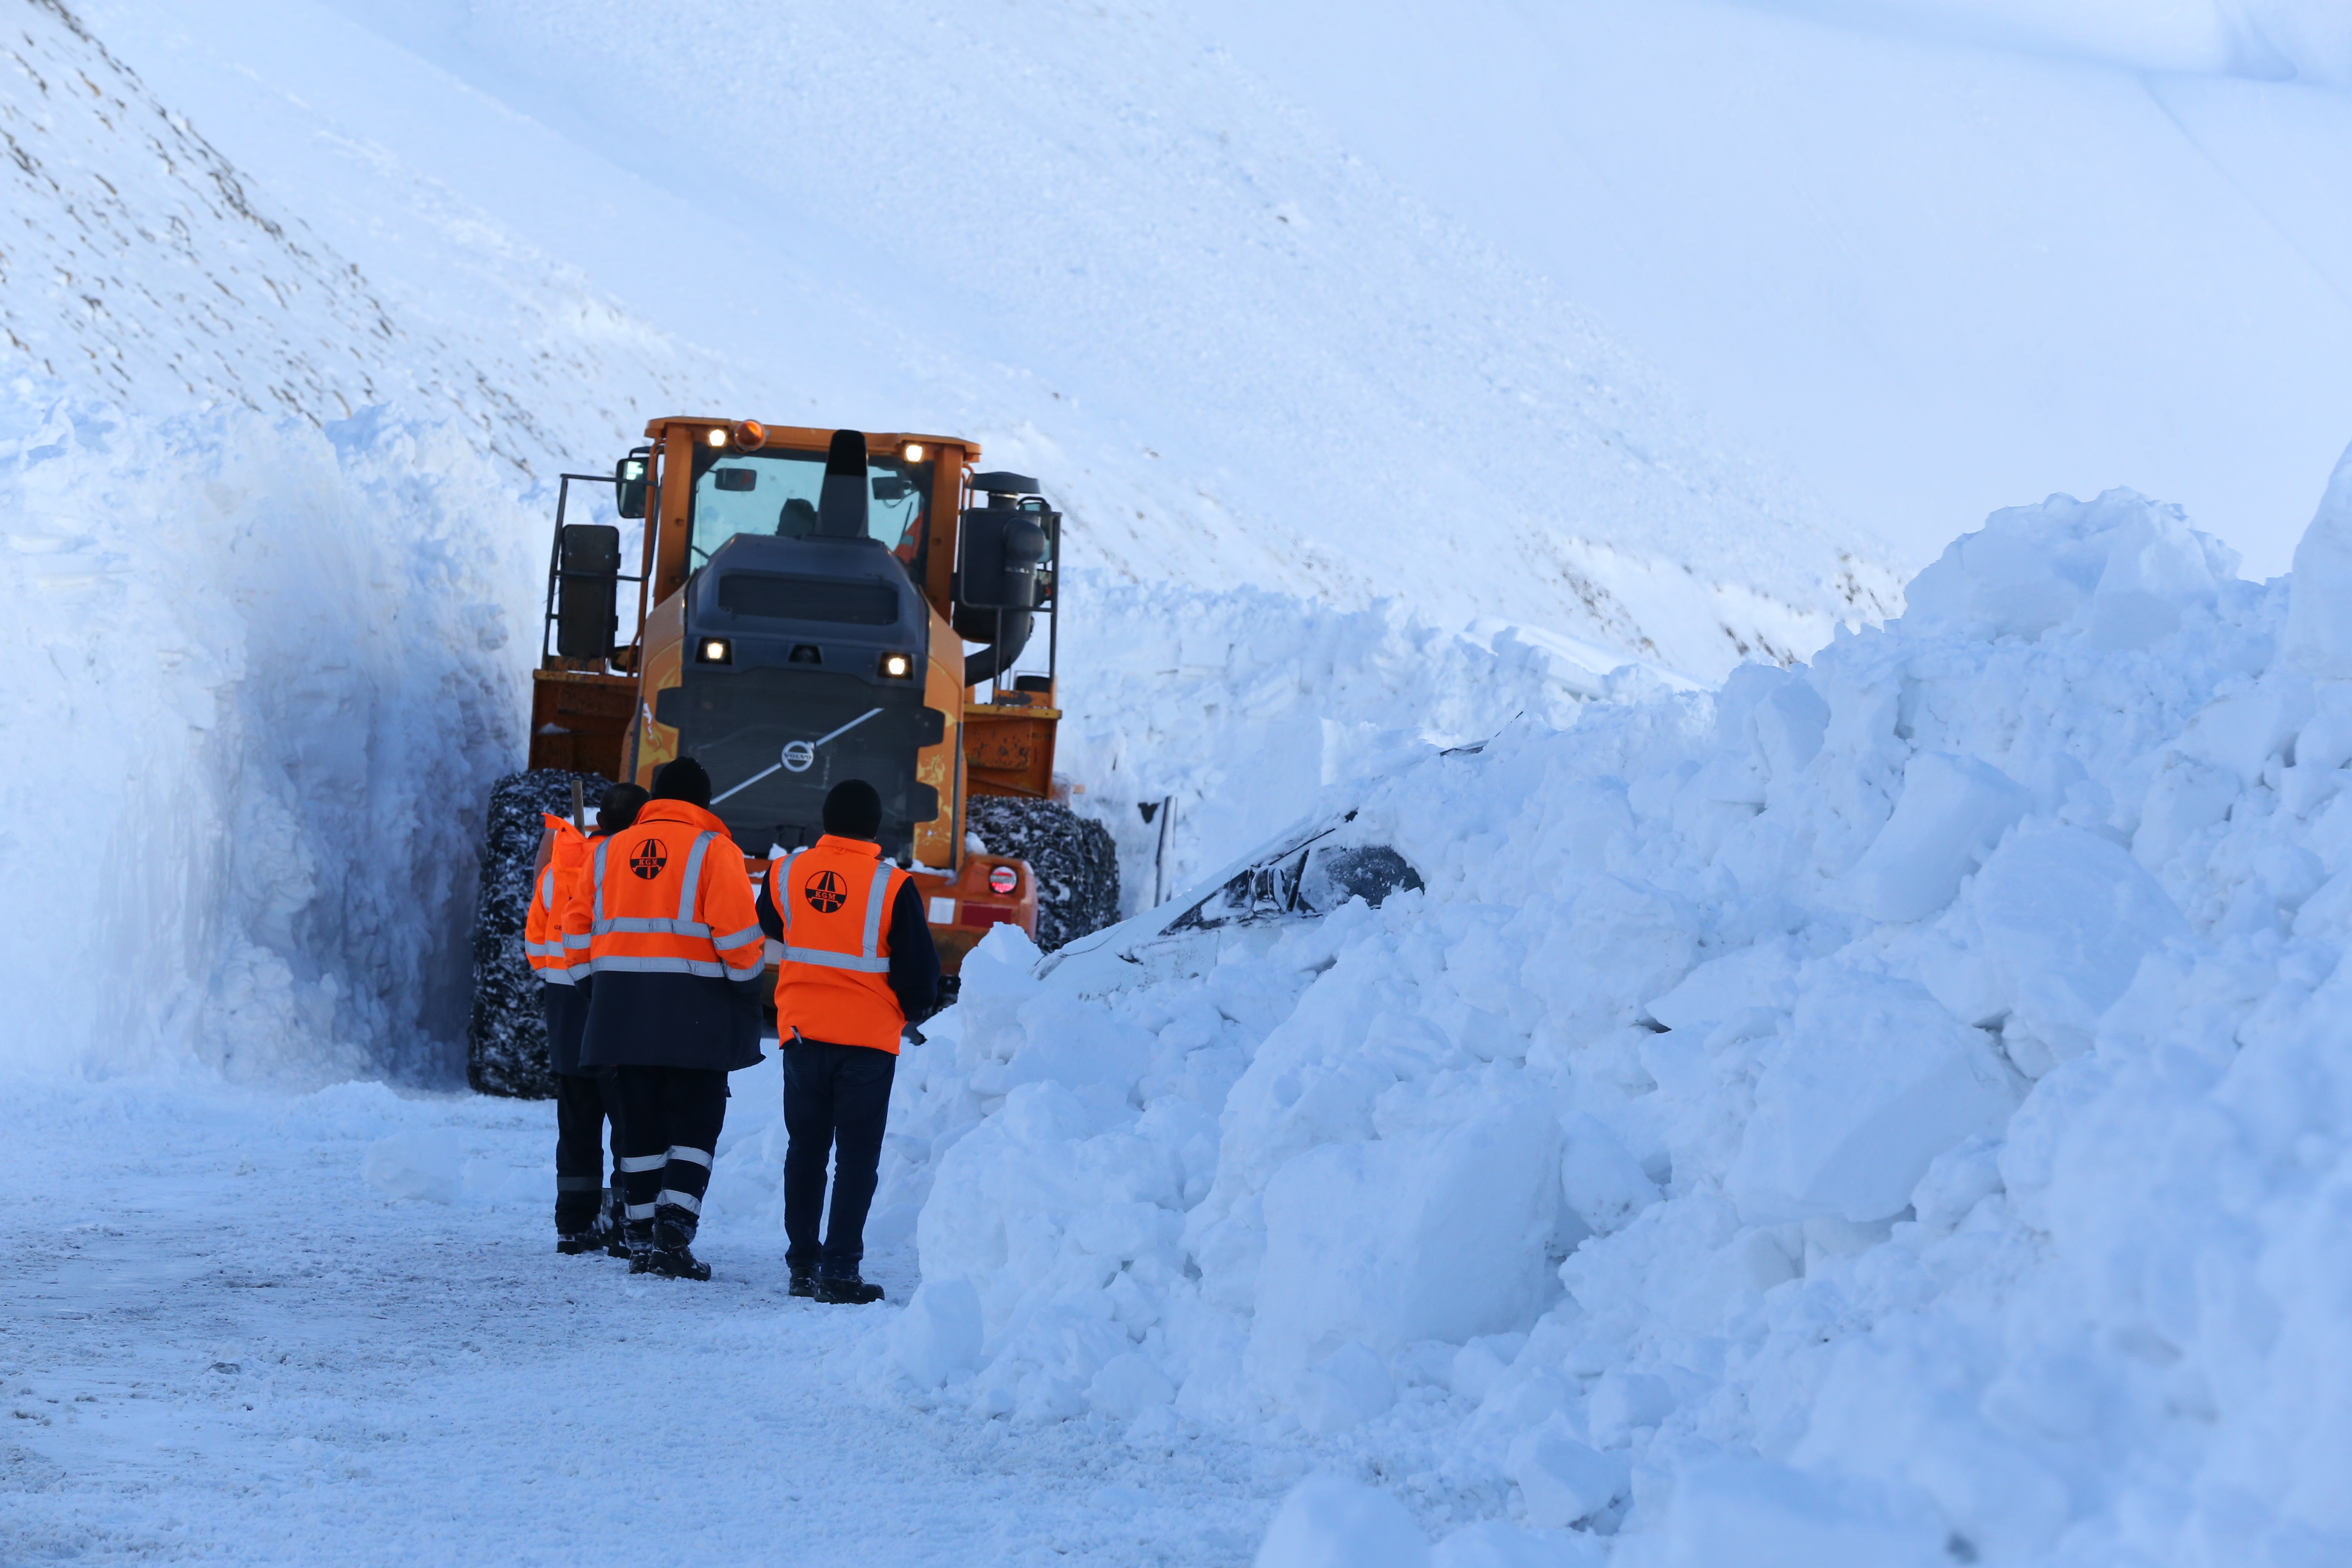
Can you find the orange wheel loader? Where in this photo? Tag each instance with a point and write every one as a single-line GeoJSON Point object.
{"type": "Point", "coordinates": [811, 605]}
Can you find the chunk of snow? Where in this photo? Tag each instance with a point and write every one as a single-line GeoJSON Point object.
{"type": "Point", "coordinates": [1435, 1234]}
{"type": "Point", "coordinates": [1603, 1184]}
{"type": "Point", "coordinates": [1327, 1521]}
{"type": "Point", "coordinates": [1563, 1480]}
{"type": "Point", "coordinates": [2066, 917]}
{"type": "Point", "coordinates": [1951, 812]}
{"type": "Point", "coordinates": [1873, 1081]}
{"type": "Point", "coordinates": [2121, 569]}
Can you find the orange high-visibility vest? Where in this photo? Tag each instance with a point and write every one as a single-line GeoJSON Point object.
{"type": "Point", "coordinates": [834, 985]}
{"type": "Point", "coordinates": [667, 895]}
{"type": "Point", "coordinates": [550, 893]}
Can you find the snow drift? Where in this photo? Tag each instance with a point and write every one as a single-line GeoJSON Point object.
{"type": "Point", "coordinates": [1890, 1109]}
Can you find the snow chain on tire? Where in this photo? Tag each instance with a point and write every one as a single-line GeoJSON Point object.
{"type": "Point", "coordinates": [1072, 857]}
{"type": "Point", "coordinates": [506, 1038]}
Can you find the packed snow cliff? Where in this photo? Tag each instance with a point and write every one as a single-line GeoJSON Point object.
{"type": "Point", "coordinates": [1892, 1110]}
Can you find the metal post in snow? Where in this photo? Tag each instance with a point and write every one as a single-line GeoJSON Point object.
{"type": "Point", "coordinates": [1160, 856]}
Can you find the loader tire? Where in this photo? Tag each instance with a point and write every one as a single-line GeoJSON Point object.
{"type": "Point", "coordinates": [1072, 857]}
{"type": "Point", "coordinates": [506, 1037]}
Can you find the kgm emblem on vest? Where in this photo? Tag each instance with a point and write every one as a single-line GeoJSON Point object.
{"type": "Point", "coordinates": [649, 859]}
{"type": "Point", "coordinates": [825, 892]}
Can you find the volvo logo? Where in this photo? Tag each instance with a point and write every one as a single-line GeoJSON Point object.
{"type": "Point", "coordinates": [798, 757]}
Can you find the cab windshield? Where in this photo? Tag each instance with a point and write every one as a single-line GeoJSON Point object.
{"type": "Point", "coordinates": [773, 493]}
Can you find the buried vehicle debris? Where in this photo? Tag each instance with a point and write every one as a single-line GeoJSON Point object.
{"type": "Point", "coordinates": [1306, 873]}
{"type": "Point", "coordinates": [1302, 880]}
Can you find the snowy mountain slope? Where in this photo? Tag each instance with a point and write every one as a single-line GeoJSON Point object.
{"type": "Point", "coordinates": [1957, 255]}
{"type": "Point", "coordinates": [1086, 237]}
{"type": "Point", "coordinates": [1887, 1112]}
{"type": "Point", "coordinates": [144, 267]}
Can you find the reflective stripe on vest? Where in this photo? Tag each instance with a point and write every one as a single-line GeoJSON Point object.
{"type": "Point", "coordinates": [628, 963]}
{"type": "Point", "coordinates": [648, 924]}
{"type": "Point", "coordinates": [691, 883]}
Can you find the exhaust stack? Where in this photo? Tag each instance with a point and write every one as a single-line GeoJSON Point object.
{"type": "Point", "coordinates": [841, 502]}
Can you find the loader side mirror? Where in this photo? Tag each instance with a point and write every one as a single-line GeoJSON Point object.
{"type": "Point", "coordinates": [588, 571]}
{"type": "Point", "coordinates": [629, 487]}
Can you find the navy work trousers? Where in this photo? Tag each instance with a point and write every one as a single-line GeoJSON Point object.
{"type": "Point", "coordinates": [583, 1107]}
{"type": "Point", "coordinates": [836, 1101]}
{"type": "Point", "coordinates": [670, 1119]}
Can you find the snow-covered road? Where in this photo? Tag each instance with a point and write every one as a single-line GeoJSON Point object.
{"type": "Point", "coordinates": [218, 1343]}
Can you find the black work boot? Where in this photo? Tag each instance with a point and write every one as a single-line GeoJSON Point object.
{"type": "Point", "coordinates": [572, 1243]}
{"type": "Point", "coordinates": [803, 1279]}
{"type": "Point", "coordinates": [671, 1263]}
{"type": "Point", "coordinates": [849, 1292]}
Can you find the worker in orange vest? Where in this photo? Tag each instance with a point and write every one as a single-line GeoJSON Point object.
{"type": "Point", "coordinates": [674, 961]}
{"type": "Point", "coordinates": [858, 966]}
{"type": "Point", "coordinates": [587, 1216]}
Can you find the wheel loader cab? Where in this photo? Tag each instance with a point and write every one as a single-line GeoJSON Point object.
{"type": "Point", "coordinates": [774, 494]}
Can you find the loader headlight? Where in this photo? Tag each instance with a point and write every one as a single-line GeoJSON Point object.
{"type": "Point", "coordinates": [716, 437]}
{"type": "Point", "coordinates": [1003, 881]}
{"type": "Point", "coordinates": [898, 666]}
{"type": "Point", "coordinates": [714, 651]}
{"type": "Point", "coordinates": [914, 451]}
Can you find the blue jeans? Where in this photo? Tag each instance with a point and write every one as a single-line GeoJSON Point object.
{"type": "Point", "coordinates": [836, 1100]}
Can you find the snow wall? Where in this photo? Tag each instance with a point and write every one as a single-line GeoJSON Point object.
{"type": "Point", "coordinates": [266, 680]}
{"type": "Point", "coordinates": [1890, 1111]}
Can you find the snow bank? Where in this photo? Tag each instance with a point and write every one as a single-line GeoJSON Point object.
{"type": "Point", "coordinates": [1243, 707]}
{"type": "Point", "coordinates": [266, 680]}
{"type": "Point", "coordinates": [1892, 1110]}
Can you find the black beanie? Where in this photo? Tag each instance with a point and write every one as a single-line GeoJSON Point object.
{"type": "Point", "coordinates": [682, 780]}
{"type": "Point", "coordinates": [852, 810]}
{"type": "Point", "coordinates": [619, 807]}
